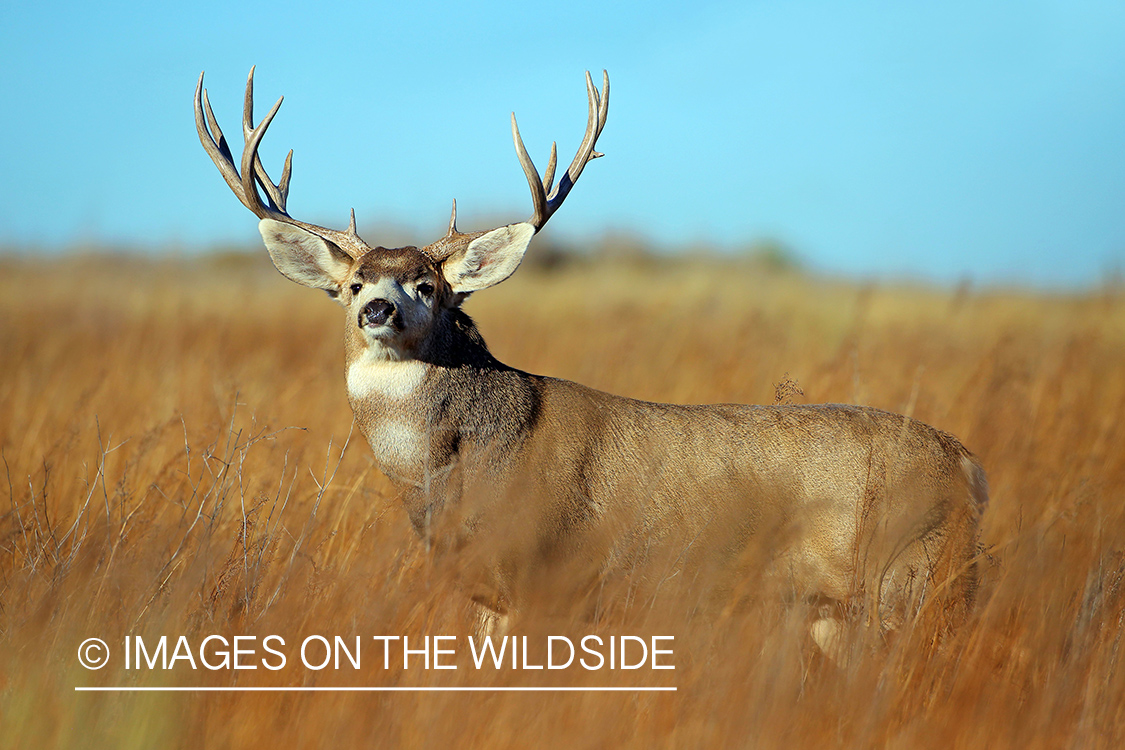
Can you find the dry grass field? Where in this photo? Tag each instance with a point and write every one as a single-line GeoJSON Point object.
{"type": "Point", "coordinates": [173, 436]}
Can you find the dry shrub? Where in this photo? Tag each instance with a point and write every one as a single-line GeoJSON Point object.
{"type": "Point", "coordinates": [178, 459]}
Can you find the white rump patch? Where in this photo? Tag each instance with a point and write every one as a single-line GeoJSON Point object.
{"type": "Point", "coordinates": [390, 379]}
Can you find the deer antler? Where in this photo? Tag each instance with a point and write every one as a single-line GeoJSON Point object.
{"type": "Point", "coordinates": [544, 200]}
{"type": "Point", "coordinates": [245, 183]}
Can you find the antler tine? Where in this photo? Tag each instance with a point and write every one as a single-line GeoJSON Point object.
{"type": "Point", "coordinates": [545, 205]}
{"type": "Point", "coordinates": [275, 194]}
{"type": "Point", "coordinates": [286, 173]}
{"type": "Point", "coordinates": [250, 160]}
{"type": "Point", "coordinates": [549, 176]}
{"type": "Point", "coordinates": [538, 194]}
{"type": "Point", "coordinates": [214, 143]}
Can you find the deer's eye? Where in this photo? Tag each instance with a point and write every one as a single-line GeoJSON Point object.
{"type": "Point", "coordinates": [356, 287]}
{"type": "Point", "coordinates": [425, 289]}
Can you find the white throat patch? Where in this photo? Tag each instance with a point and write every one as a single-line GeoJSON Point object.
{"type": "Point", "coordinates": [391, 379]}
{"type": "Point", "coordinates": [399, 444]}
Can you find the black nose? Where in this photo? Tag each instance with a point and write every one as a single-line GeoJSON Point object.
{"type": "Point", "coordinates": [376, 313]}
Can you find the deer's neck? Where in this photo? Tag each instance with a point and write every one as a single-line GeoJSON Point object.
{"type": "Point", "coordinates": [420, 410]}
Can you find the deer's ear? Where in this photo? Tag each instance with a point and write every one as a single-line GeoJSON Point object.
{"type": "Point", "coordinates": [304, 257]}
{"type": "Point", "coordinates": [489, 259]}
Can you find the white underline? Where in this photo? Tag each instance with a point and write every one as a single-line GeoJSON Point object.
{"type": "Point", "coordinates": [371, 689]}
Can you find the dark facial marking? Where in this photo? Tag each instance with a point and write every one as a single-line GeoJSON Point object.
{"type": "Point", "coordinates": [402, 264]}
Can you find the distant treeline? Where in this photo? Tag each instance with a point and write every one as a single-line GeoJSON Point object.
{"type": "Point", "coordinates": [547, 251]}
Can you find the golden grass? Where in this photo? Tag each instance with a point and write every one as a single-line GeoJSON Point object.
{"type": "Point", "coordinates": [172, 431]}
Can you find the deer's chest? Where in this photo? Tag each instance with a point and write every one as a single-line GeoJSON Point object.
{"type": "Point", "coordinates": [388, 399]}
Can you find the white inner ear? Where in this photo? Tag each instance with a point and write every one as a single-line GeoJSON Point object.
{"type": "Point", "coordinates": [489, 259]}
{"type": "Point", "coordinates": [303, 256]}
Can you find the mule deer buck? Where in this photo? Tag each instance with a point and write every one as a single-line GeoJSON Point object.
{"type": "Point", "coordinates": [519, 476]}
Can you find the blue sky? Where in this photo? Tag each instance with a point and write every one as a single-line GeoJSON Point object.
{"type": "Point", "coordinates": [947, 141]}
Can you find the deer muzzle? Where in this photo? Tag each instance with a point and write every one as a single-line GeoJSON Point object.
{"type": "Point", "coordinates": [377, 312]}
